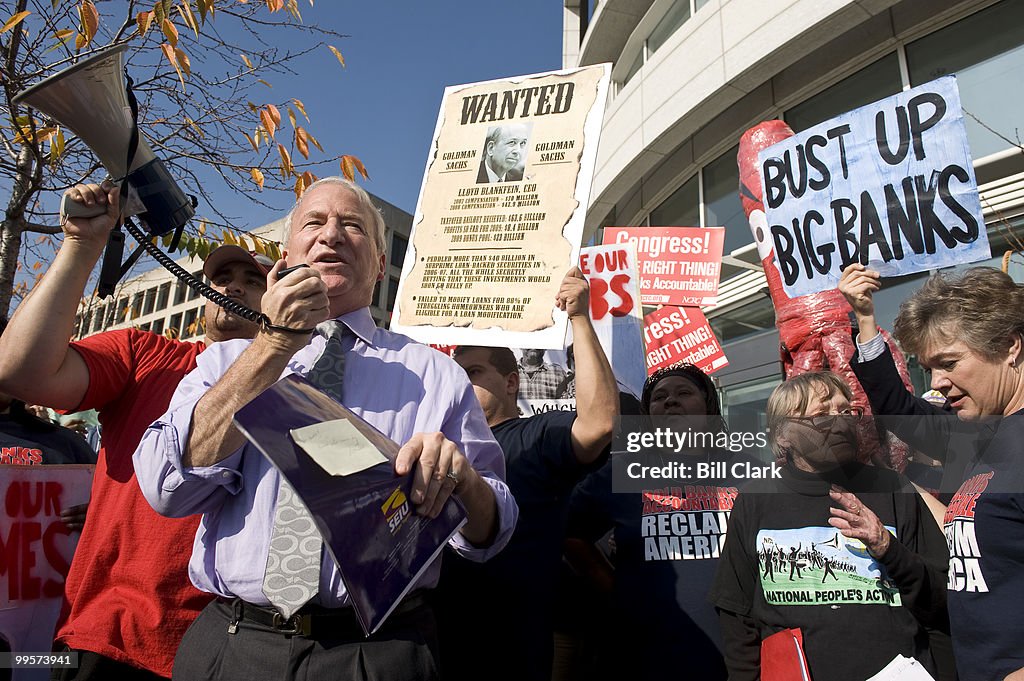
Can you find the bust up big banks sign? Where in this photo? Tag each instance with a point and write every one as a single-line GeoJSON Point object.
{"type": "Point", "coordinates": [678, 265]}
{"type": "Point", "coordinates": [890, 185]}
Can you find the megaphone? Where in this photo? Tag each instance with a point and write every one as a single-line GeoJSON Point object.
{"type": "Point", "coordinates": [89, 99]}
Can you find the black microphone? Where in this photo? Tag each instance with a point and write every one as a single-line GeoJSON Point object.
{"type": "Point", "coordinates": [288, 270]}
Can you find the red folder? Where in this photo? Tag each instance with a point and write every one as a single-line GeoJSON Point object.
{"type": "Point", "coordinates": [782, 657]}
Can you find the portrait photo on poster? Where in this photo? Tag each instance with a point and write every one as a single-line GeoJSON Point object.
{"type": "Point", "coordinates": [503, 155]}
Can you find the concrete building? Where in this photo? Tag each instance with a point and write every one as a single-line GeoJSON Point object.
{"type": "Point", "coordinates": [156, 301]}
{"type": "Point", "coordinates": [690, 76]}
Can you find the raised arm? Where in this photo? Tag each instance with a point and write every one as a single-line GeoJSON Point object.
{"type": "Point", "coordinates": [36, 363]}
{"type": "Point", "coordinates": [597, 395]}
{"type": "Point", "coordinates": [299, 300]}
{"type": "Point", "coordinates": [858, 284]}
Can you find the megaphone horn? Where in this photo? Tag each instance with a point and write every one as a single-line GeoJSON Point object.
{"type": "Point", "coordinates": [90, 100]}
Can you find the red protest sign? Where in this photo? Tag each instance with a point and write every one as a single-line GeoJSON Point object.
{"type": "Point", "coordinates": [611, 273]}
{"type": "Point", "coordinates": [446, 349]}
{"type": "Point", "coordinates": [676, 334]}
{"type": "Point", "coordinates": [36, 548]}
{"type": "Point", "coordinates": [678, 265]}
{"type": "Point", "coordinates": [615, 310]}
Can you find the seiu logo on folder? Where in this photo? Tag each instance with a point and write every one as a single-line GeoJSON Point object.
{"type": "Point", "coordinates": [395, 510]}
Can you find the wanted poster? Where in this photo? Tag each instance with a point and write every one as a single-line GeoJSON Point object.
{"type": "Point", "coordinates": [501, 210]}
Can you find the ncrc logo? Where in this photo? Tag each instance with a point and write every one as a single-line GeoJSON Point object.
{"type": "Point", "coordinates": [395, 510]}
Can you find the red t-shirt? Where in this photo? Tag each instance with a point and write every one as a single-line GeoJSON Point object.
{"type": "Point", "coordinates": [128, 593]}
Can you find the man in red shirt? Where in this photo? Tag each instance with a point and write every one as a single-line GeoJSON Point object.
{"type": "Point", "coordinates": [128, 596]}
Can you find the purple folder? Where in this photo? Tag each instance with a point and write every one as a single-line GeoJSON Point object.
{"type": "Point", "coordinates": [379, 542]}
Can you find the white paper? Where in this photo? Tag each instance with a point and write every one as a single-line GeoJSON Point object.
{"type": "Point", "coordinates": [337, 447]}
{"type": "Point", "coordinates": [902, 669]}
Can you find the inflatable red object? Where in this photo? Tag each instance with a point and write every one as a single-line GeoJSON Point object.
{"type": "Point", "coordinates": [815, 329]}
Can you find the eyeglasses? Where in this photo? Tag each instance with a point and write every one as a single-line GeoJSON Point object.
{"type": "Point", "coordinates": [849, 411]}
{"type": "Point", "coordinates": [823, 422]}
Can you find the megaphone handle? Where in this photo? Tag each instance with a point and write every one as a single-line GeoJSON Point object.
{"type": "Point", "coordinates": [73, 209]}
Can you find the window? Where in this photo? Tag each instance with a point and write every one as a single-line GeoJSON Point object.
{"type": "Point", "coordinates": [174, 330]}
{"type": "Point", "coordinates": [754, 317]}
{"type": "Point", "coordinates": [158, 326]}
{"type": "Point", "coordinates": [192, 293]}
{"type": "Point", "coordinates": [398, 247]}
{"type": "Point", "coordinates": [136, 305]}
{"type": "Point", "coordinates": [150, 302]}
{"type": "Point", "coordinates": [163, 295]}
{"type": "Point", "coordinates": [189, 328]}
{"type": "Point", "coordinates": [722, 207]}
{"type": "Point", "coordinates": [682, 209]}
{"type": "Point", "coordinates": [669, 24]}
{"type": "Point", "coordinates": [144, 327]}
{"type": "Point", "coordinates": [635, 66]}
{"type": "Point", "coordinates": [744, 404]}
{"type": "Point", "coordinates": [111, 314]}
{"type": "Point", "coordinates": [392, 292]}
{"type": "Point", "coordinates": [877, 81]}
{"type": "Point", "coordinates": [986, 52]}
{"type": "Point", "coordinates": [97, 321]}
{"type": "Point", "coordinates": [180, 293]}
{"type": "Point", "coordinates": [376, 295]}
{"type": "Point", "coordinates": [122, 309]}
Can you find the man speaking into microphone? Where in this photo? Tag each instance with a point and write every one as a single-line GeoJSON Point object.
{"type": "Point", "coordinates": [193, 460]}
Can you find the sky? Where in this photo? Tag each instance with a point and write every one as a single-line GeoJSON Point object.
{"type": "Point", "coordinates": [382, 107]}
{"type": "Point", "coordinates": [400, 55]}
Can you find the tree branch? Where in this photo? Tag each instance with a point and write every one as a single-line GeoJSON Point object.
{"type": "Point", "coordinates": [37, 228]}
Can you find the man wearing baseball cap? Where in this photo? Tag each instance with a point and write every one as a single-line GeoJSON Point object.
{"type": "Point", "coordinates": [228, 253]}
{"type": "Point", "coordinates": [128, 599]}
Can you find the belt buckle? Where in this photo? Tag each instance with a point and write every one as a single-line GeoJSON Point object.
{"type": "Point", "coordinates": [295, 625]}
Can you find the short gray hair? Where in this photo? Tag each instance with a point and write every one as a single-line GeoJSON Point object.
{"type": "Point", "coordinates": [365, 202]}
{"type": "Point", "coordinates": [982, 306]}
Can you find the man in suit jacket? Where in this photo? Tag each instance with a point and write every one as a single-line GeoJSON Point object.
{"type": "Point", "coordinates": [504, 154]}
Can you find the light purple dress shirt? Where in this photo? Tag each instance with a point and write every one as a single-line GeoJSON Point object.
{"type": "Point", "coordinates": [399, 386]}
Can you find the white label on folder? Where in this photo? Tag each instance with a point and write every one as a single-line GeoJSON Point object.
{"type": "Point", "coordinates": [903, 669]}
{"type": "Point", "coordinates": [337, 447]}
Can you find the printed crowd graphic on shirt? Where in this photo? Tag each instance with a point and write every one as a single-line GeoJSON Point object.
{"type": "Point", "coordinates": [685, 523]}
{"type": "Point", "coordinates": [964, 555]}
{"type": "Point", "coordinates": [818, 565]}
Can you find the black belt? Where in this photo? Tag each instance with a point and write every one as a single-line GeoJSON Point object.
{"type": "Point", "coordinates": [310, 618]}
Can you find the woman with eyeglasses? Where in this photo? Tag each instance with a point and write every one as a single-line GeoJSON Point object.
{"type": "Point", "coordinates": [846, 553]}
{"type": "Point", "coordinates": [968, 330]}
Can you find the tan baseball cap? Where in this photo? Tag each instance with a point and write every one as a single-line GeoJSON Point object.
{"type": "Point", "coordinates": [222, 255]}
